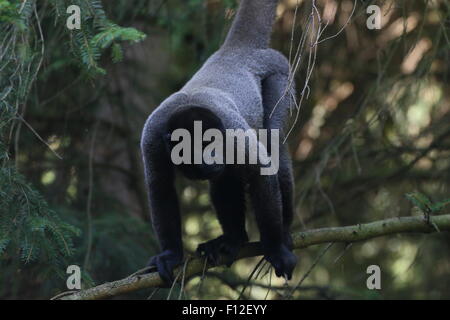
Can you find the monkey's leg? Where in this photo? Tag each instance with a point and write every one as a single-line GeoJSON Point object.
{"type": "Point", "coordinates": [228, 197]}
{"type": "Point", "coordinates": [277, 101]}
{"type": "Point", "coordinates": [266, 198]}
{"type": "Point", "coordinates": [286, 181]}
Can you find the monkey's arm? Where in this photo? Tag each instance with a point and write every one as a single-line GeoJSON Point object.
{"type": "Point", "coordinates": [159, 175]}
{"type": "Point", "coordinates": [165, 210]}
{"type": "Point", "coordinates": [267, 202]}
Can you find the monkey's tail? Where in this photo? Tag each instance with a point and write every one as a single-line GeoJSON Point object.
{"type": "Point", "coordinates": [252, 25]}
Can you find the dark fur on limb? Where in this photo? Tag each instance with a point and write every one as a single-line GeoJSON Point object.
{"type": "Point", "coordinates": [304, 239]}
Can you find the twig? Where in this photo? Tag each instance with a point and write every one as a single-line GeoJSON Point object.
{"type": "Point", "coordinates": [250, 278]}
{"type": "Point", "coordinates": [38, 136]}
{"type": "Point", "coordinates": [307, 273]}
{"type": "Point", "coordinates": [89, 199]}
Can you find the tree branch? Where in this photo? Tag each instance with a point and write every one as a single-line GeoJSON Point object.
{"type": "Point", "coordinates": [304, 239]}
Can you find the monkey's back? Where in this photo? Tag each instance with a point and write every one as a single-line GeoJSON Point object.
{"type": "Point", "coordinates": [229, 83]}
{"type": "Point", "coordinates": [237, 75]}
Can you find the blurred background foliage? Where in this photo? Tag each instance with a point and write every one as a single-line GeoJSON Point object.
{"type": "Point", "coordinates": [375, 127]}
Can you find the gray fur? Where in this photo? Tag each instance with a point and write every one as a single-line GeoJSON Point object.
{"type": "Point", "coordinates": [229, 82]}
{"type": "Point", "coordinates": [253, 24]}
{"type": "Point", "coordinates": [240, 83]}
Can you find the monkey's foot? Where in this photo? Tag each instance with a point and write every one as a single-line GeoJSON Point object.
{"type": "Point", "coordinates": [223, 246]}
{"type": "Point", "coordinates": [287, 239]}
{"type": "Point", "coordinates": [283, 261]}
{"type": "Point", "coordinates": [164, 264]}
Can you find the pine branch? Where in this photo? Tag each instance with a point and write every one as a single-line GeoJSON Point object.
{"type": "Point", "coordinates": [196, 266]}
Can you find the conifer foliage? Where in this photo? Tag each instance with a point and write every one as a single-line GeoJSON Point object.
{"type": "Point", "coordinates": [29, 228]}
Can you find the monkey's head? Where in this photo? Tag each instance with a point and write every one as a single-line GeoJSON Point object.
{"type": "Point", "coordinates": [188, 118]}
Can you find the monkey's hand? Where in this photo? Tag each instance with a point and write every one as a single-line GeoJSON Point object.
{"type": "Point", "coordinates": [283, 261]}
{"type": "Point", "coordinates": [165, 262]}
{"type": "Point", "coordinates": [221, 246]}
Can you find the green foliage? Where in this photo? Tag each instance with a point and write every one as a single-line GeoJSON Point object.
{"type": "Point", "coordinates": [97, 33]}
{"type": "Point", "coordinates": [30, 231]}
{"type": "Point", "coordinates": [424, 203]}
{"type": "Point", "coordinates": [110, 35]}
{"type": "Point", "coordinates": [8, 12]}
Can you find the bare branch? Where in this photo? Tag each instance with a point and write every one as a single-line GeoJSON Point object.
{"type": "Point", "coordinates": [348, 234]}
